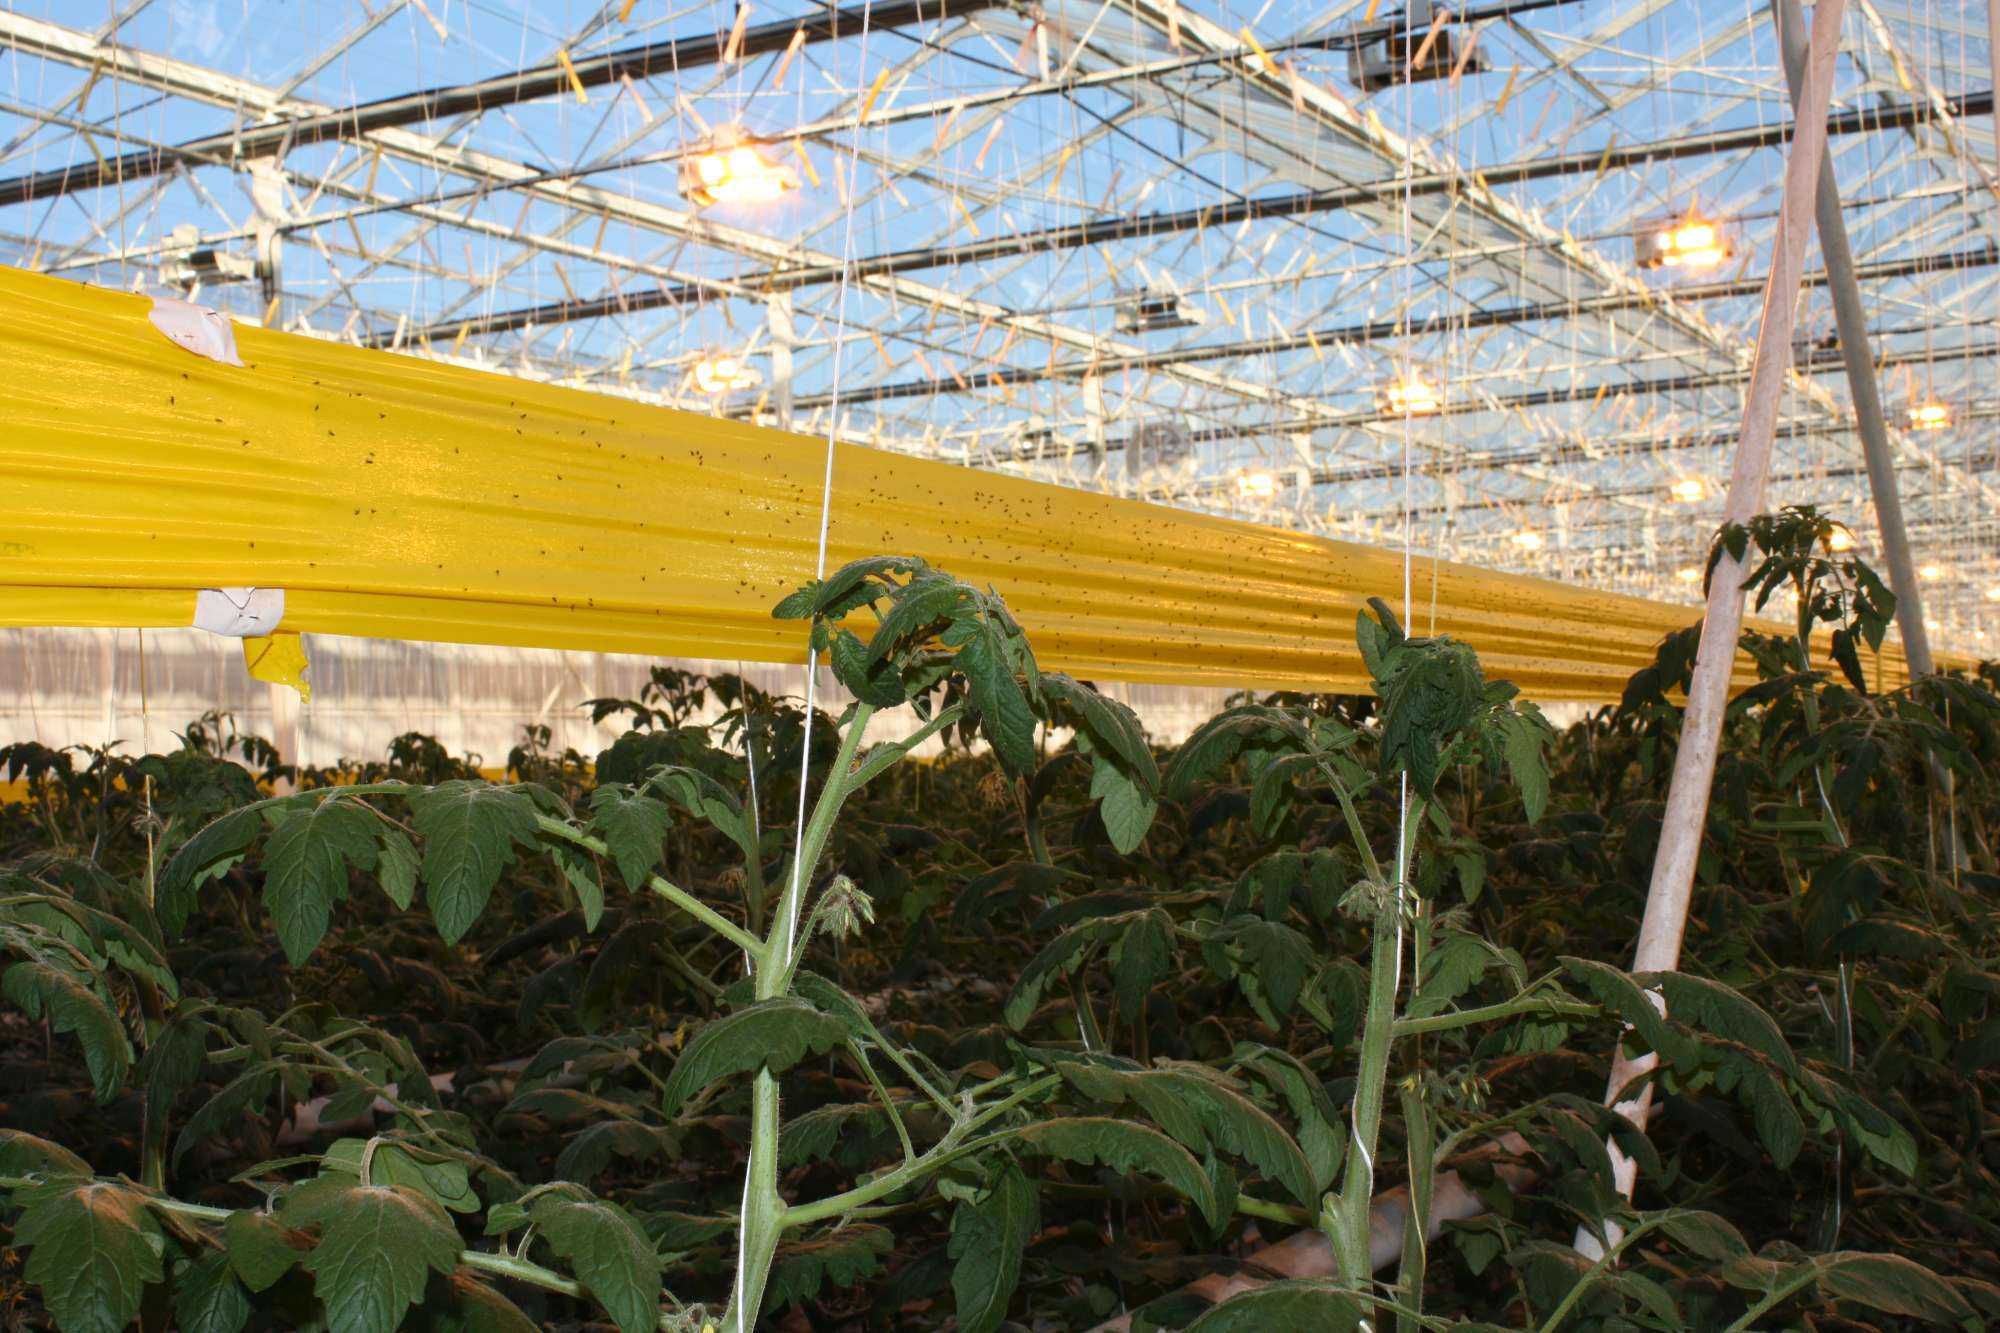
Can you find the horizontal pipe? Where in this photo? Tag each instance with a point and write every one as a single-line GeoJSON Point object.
{"type": "Point", "coordinates": [1379, 329]}
{"type": "Point", "coordinates": [1106, 230]}
{"type": "Point", "coordinates": [1819, 361]}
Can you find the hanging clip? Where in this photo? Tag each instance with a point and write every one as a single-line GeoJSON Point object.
{"type": "Point", "coordinates": [199, 329]}
{"type": "Point", "coordinates": [241, 613]}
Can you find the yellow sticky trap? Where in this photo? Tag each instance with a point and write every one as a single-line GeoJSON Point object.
{"type": "Point", "coordinates": [279, 659]}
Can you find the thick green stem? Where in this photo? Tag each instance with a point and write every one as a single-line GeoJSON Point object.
{"type": "Point", "coordinates": [1416, 1222]}
{"type": "Point", "coordinates": [772, 959]}
{"type": "Point", "coordinates": [763, 1220]}
{"type": "Point", "coordinates": [1349, 1232]}
{"type": "Point", "coordinates": [1349, 1224]}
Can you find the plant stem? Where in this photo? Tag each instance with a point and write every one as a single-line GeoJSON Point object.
{"type": "Point", "coordinates": [955, 1144]}
{"type": "Point", "coordinates": [1349, 1232]}
{"type": "Point", "coordinates": [1349, 1229]}
{"type": "Point", "coordinates": [505, 1266]}
{"type": "Point", "coordinates": [673, 893]}
{"type": "Point", "coordinates": [763, 1219]}
{"type": "Point", "coordinates": [1776, 1296]}
{"type": "Point", "coordinates": [1520, 1004]}
{"type": "Point", "coordinates": [1604, 1261]}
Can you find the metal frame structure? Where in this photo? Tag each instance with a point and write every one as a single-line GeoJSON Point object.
{"type": "Point", "coordinates": [983, 188]}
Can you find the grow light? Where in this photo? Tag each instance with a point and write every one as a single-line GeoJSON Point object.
{"type": "Point", "coordinates": [733, 170]}
{"type": "Point", "coordinates": [1993, 593]}
{"type": "Point", "coordinates": [1931, 573]}
{"type": "Point", "coordinates": [1527, 539]}
{"type": "Point", "coordinates": [724, 373]}
{"type": "Point", "coordinates": [1689, 242]}
{"type": "Point", "coordinates": [1411, 397]}
{"type": "Point", "coordinates": [1688, 490]}
{"type": "Point", "coordinates": [1688, 574]}
{"type": "Point", "coordinates": [1932, 415]}
{"type": "Point", "coordinates": [1841, 540]}
{"type": "Point", "coordinates": [1256, 485]}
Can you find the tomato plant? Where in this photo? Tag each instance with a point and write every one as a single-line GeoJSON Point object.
{"type": "Point", "coordinates": [747, 1021]}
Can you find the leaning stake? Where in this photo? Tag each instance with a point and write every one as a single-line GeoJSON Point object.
{"type": "Point", "coordinates": [1852, 323]}
{"type": "Point", "coordinates": [1665, 921]}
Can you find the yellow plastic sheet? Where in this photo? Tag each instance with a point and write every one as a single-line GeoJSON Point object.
{"type": "Point", "coordinates": [399, 498]}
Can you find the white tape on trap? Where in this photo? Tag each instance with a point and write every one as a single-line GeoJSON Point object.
{"type": "Point", "coordinates": [198, 328]}
{"type": "Point", "coordinates": [242, 613]}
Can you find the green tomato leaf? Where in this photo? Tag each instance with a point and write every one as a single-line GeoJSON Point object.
{"type": "Point", "coordinates": [607, 1251]}
{"type": "Point", "coordinates": [378, 1246]}
{"type": "Point", "coordinates": [208, 1298]}
{"type": "Point", "coordinates": [845, 1257]}
{"type": "Point", "coordinates": [396, 866]}
{"type": "Point", "coordinates": [1893, 1285]}
{"type": "Point", "coordinates": [1301, 1303]}
{"type": "Point", "coordinates": [988, 1238]}
{"type": "Point", "coordinates": [1124, 804]}
{"type": "Point", "coordinates": [305, 868]}
{"type": "Point", "coordinates": [260, 1248]}
{"type": "Point", "coordinates": [1125, 1147]}
{"type": "Point", "coordinates": [772, 1034]}
{"type": "Point", "coordinates": [23, 1154]}
{"type": "Point", "coordinates": [470, 832]}
{"type": "Point", "coordinates": [44, 990]}
{"type": "Point", "coordinates": [634, 826]}
{"type": "Point", "coordinates": [208, 855]}
{"type": "Point", "coordinates": [477, 1308]}
{"type": "Point", "coordinates": [1005, 718]}
{"type": "Point", "coordinates": [93, 1248]}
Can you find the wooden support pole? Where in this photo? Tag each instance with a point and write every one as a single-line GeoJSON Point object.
{"type": "Point", "coordinates": [1665, 921]}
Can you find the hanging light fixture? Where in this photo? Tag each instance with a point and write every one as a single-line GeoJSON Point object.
{"type": "Point", "coordinates": [1256, 485]}
{"type": "Point", "coordinates": [1686, 242]}
{"type": "Point", "coordinates": [1527, 539]}
{"type": "Point", "coordinates": [1411, 396]}
{"type": "Point", "coordinates": [733, 169]}
{"type": "Point", "coordinates": [1930, 415]}
{"type": "Point", "coordinates": [1688, 490]}
{"type": "Point", "coordinates": [724, 372]}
